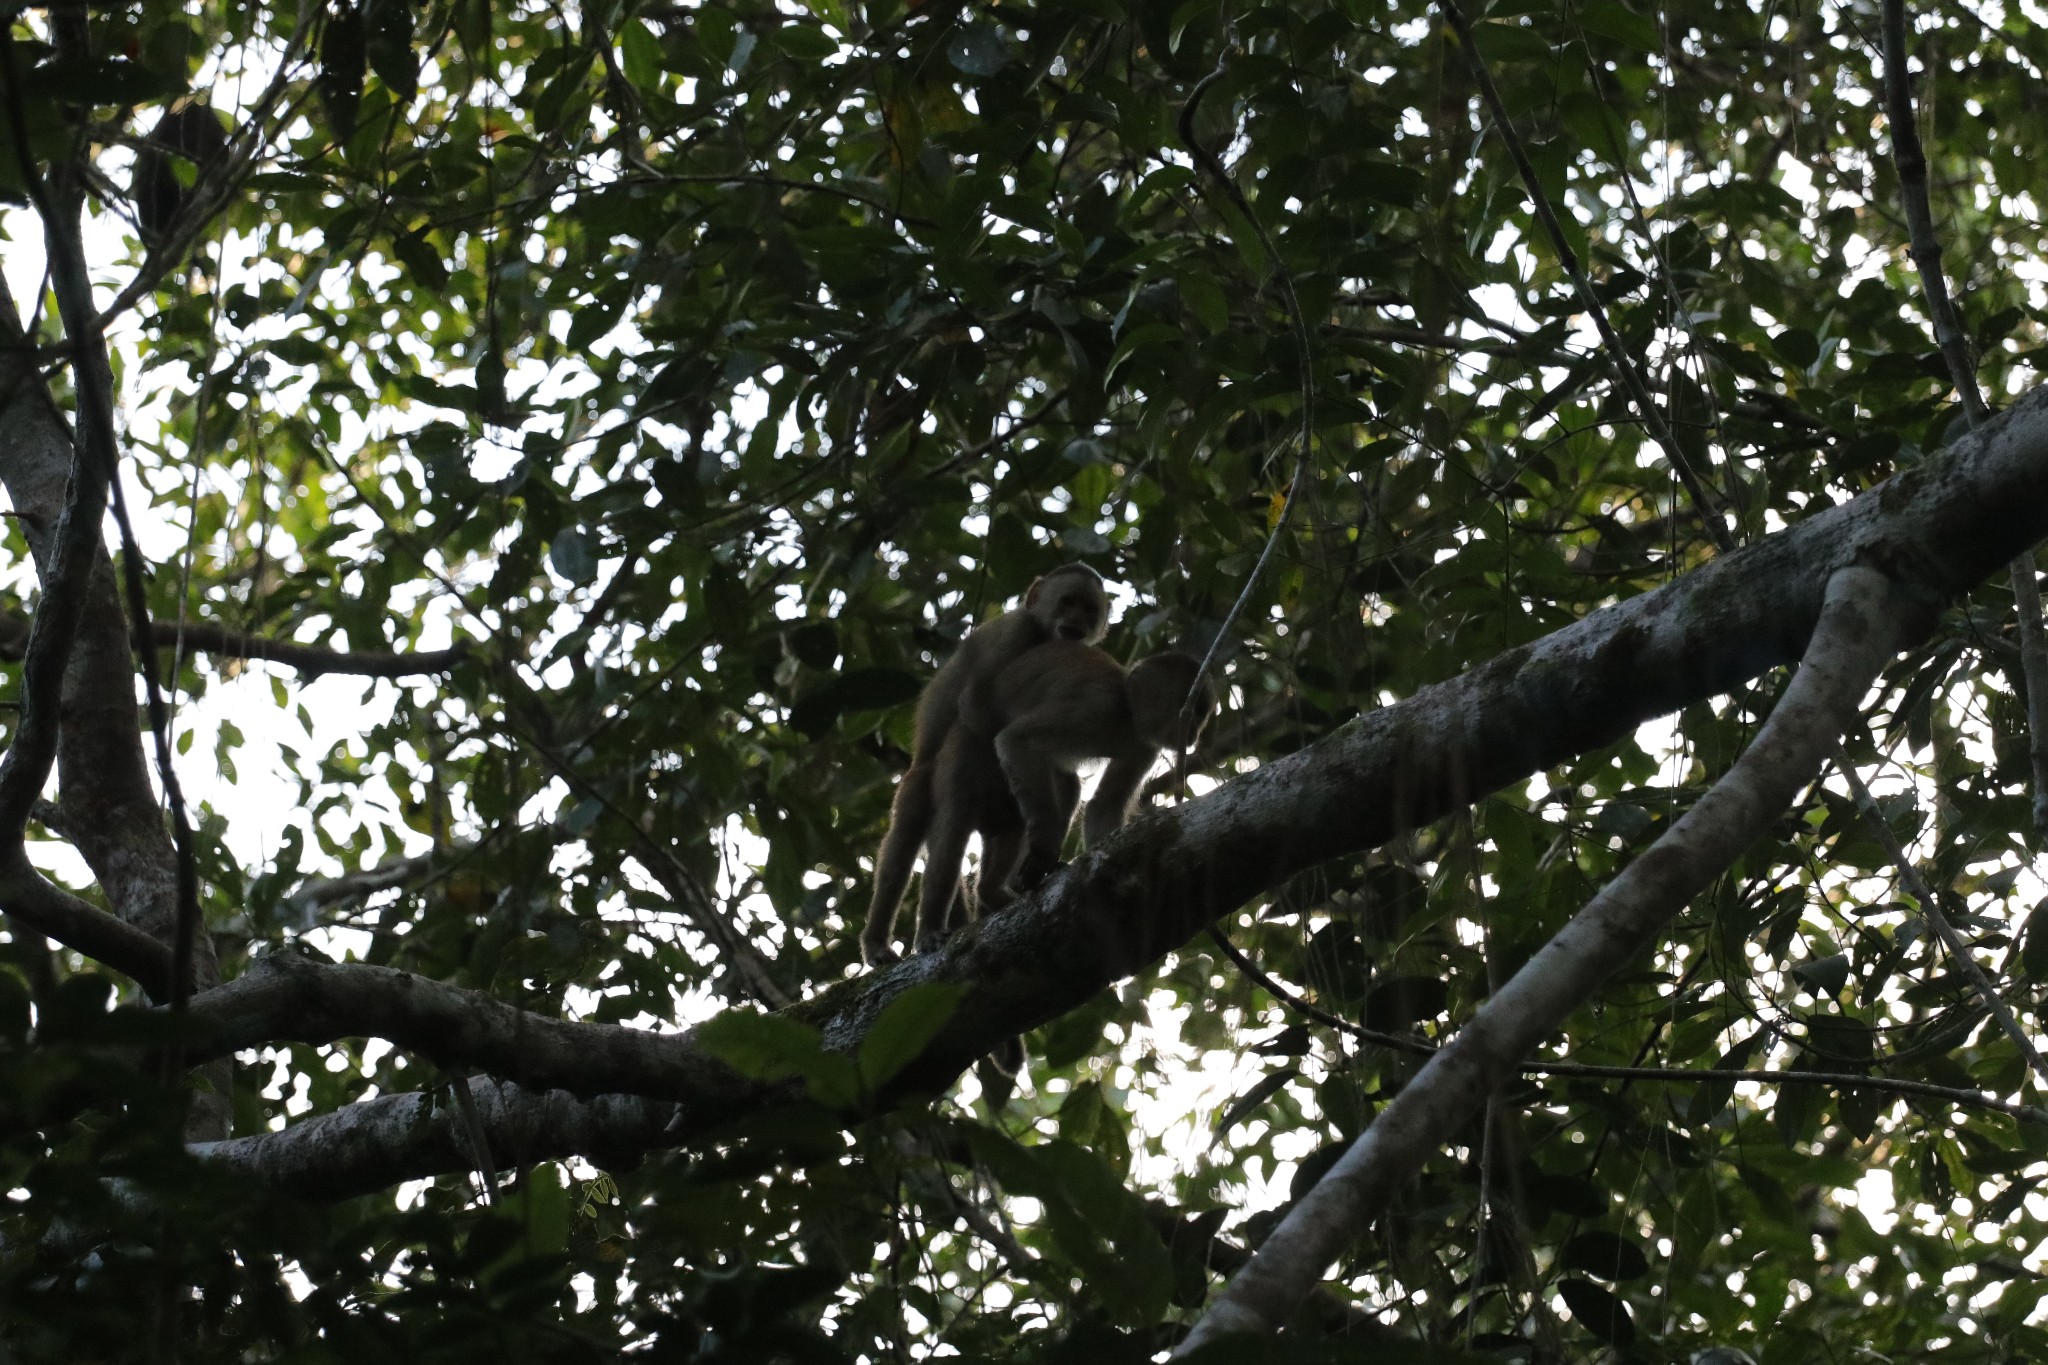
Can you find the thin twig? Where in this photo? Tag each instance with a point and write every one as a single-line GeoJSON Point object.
{"type": "Point", "coordinates": [1304, 347]}
{"type": "Point", "coordinates": [1930, 907]}
{"type": "Point", "coordinates": [479, 1143]}
{"type": "Point", "coordinates": [1976, 1099]}
{"type": "Point", "coordinates": [1910, 159]}
{"type": "Point", "coordinates": [1617, 354]}
{"type": "Point", "coordinates": [310, 660]}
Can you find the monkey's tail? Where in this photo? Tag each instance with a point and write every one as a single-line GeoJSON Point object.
{"type": "Point", "coordinates": [910, 817]}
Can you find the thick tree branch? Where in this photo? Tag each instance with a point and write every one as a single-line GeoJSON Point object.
{"type": "Point", "coordinates": [106, 806]}
{"type": "Point", "coordinates": [285, 997]}
{"type": "Point", "coordinates": [315, 896]}
{"type": "Point", "coordinates": [1936, 530]}
{"type": "Point", "coordinates": [66, 577]}
{"type": "Point", "coordinates": [1858, 632]}
{"type": "Point", "coordinates": [105, 800]}
{"type": "Point", "coordinates": [30, 899]}
{"type": "Point", "coordinates": [210, 637]}
{"type": "Point", "coordinates": [375, 1144]}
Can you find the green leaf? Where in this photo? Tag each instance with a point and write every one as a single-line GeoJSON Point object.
{"type": "Point", "coordinates": [573, 555]}
{"type": "Point", "coordinates": [858, 689]}
{"type": "Point", "coordinates": [2034, 944]}
{"type": "Point", "coordinates": [1612, 20]}
{"type": "Point", "coordinates": [1824, 977]}
{"type": "Point", "coordinates": [1797, 347]}
{"type": "Point", "coordinates": [1205, 300]}
{"type": "Point", "coordinates": [421, 259]}
{"type": "Point", "coordinates": [1599, 1312]}
{"type": "Point", "coordinates": [1605, 1254]}
{"type": "Point", "coordinates": [388, 38]}
{"type": "Point", "coordinates": [977, 49]}
{"type": "Point", "coordinates": [344, 58]}
{"type": "Point", "coordinates": [905, 1027]}
{"type": "Point", "coordinates": [640, 54]}
{"type": "Point", "coordinates": [806, 42]}
{"type": "Point", "coordinates": [770, 1047]}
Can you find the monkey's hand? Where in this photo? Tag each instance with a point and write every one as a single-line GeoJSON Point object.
{"type": "Point", "coordinates": [1033, 871]}
{"type": "Point", "coordinates": [878, 954]}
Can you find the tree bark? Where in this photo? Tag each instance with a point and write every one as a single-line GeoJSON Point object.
{"type": "Point", "coordinates": [1934, 532]}
{"type": "Point", "coordinates": [1858, 633]}
{"type": "Point", "coordinates": [104, 794]}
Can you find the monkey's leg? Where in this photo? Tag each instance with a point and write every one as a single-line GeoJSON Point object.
{"type": "Point", "coordinates": [1000, 854]}
{"type": "Point", "coordinates": [909, 817]}
{"type": "Point", "coordinates": [945, 849]}
{"type": "Point", "coordinates": [1036, 781]}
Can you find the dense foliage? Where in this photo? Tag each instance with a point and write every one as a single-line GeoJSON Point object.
{"type": "Point", "coordinates": [705, 370]}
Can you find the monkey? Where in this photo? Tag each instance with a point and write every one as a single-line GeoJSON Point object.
{"type": "Point", "coordinates": [1059, 705]}
{"type": "Point", "coordinates": [188, 131]}
{"type": "Point", "coordinates": [1063, 704]}
{"type": "Point", "coordinates": [971, 795]}
{"type": "Point", "coordinates": [1067, 604]}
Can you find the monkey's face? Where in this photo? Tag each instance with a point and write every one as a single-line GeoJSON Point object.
{"type": "Point", "coordinates": [1070, 604]}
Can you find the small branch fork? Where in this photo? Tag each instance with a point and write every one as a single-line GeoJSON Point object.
{"type": "Point", "coordinates": [1856, 635]}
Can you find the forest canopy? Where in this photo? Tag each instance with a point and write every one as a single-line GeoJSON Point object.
{"type": "Point", "coordinates": [490, 480]}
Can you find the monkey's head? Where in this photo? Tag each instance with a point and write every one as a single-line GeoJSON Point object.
{"type": "Point", "coordinates": [190, 132]}
{"type": "Point", "coordinates": [1160, 709]}
{"type": "Point", "coordinates": [1069, 603]}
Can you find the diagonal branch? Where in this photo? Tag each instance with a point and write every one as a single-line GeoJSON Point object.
{"type": "Point", "coordinates": [1662, 1075]}
{"type": "Point", "coordinates": [1857, 634]}
{"type": "Point", "coordinates": [1617, 353]}
{"type": "Point", "coordinates": [1932, 910]}
{"type": "Point", "coordinates": [311, 661]}
{"type": "Point", "coordinates": [378, 1142]}
{"type": "Point", "coordinates": [315, 896]}
{"type": "Point", "coordinates": [1936, 530]}
{"type": "Point", "coordinates": [1910, 160]}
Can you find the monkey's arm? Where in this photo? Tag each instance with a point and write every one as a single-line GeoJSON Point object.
{"type": "Point", "coordinates": [1031, 762]}
{"type": "Point", "coordinates": [1116, 795]}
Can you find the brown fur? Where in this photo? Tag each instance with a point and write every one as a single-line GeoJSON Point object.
{"type": "Point", "coordinates": [1064, 704]}
{"type": "Point", "coordinates": [1067, 605]}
